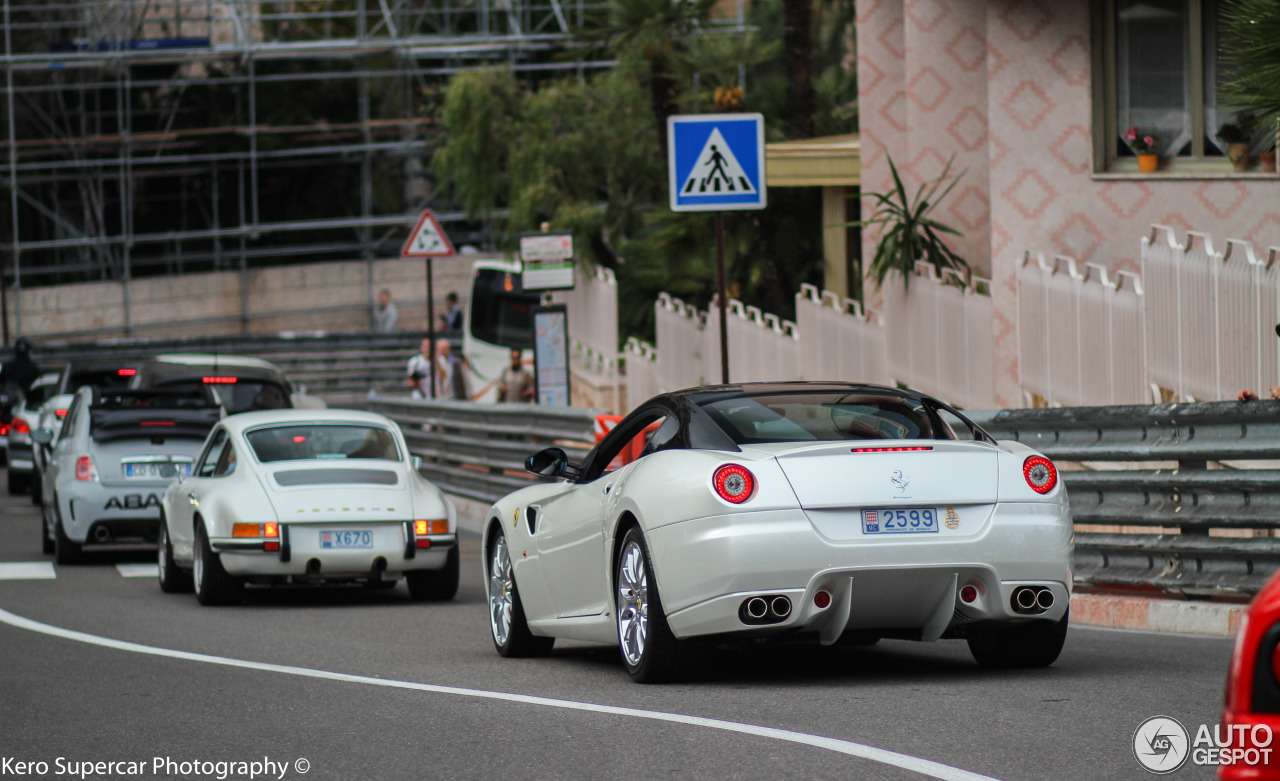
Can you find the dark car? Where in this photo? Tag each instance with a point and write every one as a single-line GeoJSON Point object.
{"type": "Point", "coordinates": [242, 384]}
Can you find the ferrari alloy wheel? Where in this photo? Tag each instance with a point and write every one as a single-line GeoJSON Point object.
{"type": "Point", "coordinates": [649, 649]}
{"type": "Point", "coordinates": [507, 625]}
{"type": "Point", "coordinates": [1031, 645]}
{"type": "Point", "coordinates": [172, 579]}
{"type": "Point", "coordinates": [213, 585]}
{"type": "Point", "coordinates": [435, 584]}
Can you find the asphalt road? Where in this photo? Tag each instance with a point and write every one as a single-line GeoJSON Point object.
{"type": "Point", "coordinates": [72, 698]}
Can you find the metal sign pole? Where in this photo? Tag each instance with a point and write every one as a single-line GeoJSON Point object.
{"type": "Point", "coordinates": [724, 300]}
{"type": "Point", "coordinates": [431, 326]}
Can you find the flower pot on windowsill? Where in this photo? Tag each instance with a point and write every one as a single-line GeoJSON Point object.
{"type": "Point", "coordinates": [1268, 161]}
{"type": "Point", "coordinates": [1238, 154]}
{"type": "Point", "coordinates": [1148, 163]}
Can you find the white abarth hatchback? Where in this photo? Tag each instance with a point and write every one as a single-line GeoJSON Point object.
{"type": "Point", "coordinates": [306, 497]}
{"type": "Point", "coordinates": [823, 510]}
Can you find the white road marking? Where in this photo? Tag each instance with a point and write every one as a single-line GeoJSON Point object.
{"type": "Point", "coordinates": [27, 570]}
{"type": "Point", "coordinates": [924, 767]}
{"type": "Point", "coordinates": [138, 570]}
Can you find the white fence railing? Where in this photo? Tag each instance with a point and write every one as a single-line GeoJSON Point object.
{"type": "Point", "coordinates": [1209, 315]}
{"type": "Point", "coordinates": [1080, 335]}
{"type": "Point", "coordinates": [834, 340]}
{"type": "Point", "coordinates": [938, 336]}
{"type": "Point", "coordinates": [593, 319]}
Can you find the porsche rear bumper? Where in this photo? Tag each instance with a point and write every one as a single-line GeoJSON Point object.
{"type": "Point", "coordinates": [303, 554]}
{"type": "Point", "coordinates": [707, 567]}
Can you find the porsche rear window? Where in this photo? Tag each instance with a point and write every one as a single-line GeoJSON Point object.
{"type": "Point", "coordinates": [822, 416]}
{"type": "Point", "coordinates": [320, 442]}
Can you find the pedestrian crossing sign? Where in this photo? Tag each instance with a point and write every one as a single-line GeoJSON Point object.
{"type": "Point", "coordinates": [428, 239]}
{"type": "Point", "coordinates": [715, 162]}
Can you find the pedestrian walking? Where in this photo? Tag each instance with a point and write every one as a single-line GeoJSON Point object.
{"type": "Point", "coordinates": [420, 372]}
{"type": "Point", "coordinates": [451, 373]}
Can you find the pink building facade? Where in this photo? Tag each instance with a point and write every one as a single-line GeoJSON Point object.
{"type": "Point", "coordinates": [1010, 88]}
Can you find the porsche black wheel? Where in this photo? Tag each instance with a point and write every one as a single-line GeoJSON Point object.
{"type": "Point", "coordinates": [1030, 645]}
{"type": "Point", "coordinates": [650, 651]}
{"type": "Point", "coordinates": [212, 584]}
{"type": "Point", "coordinates": [435, 584]}
{"type": "Point", "coordinates": [507, 625]}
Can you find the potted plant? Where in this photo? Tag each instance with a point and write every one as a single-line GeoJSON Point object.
{"type": "Point", "coordinates": [1144, 147]}
{"type": "Point", "coordinates": [1235, 135]}
{"type": "Point", "coordinates": [1268, 158]}
{"type": "Point", "coordinates": [909, 233]}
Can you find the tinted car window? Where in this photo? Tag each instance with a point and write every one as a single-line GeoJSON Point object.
{"type": "Point", "coordinates": [38, 394]}
{"type": "Point", "coordinates": [501, 312]}
{"type": "Point", "coordinates": [318, 441]}
{"type": "Point", "coordinates": [814, 416]}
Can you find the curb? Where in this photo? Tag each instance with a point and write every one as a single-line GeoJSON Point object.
{"type": "Point", "coordinates": [1211, 619]}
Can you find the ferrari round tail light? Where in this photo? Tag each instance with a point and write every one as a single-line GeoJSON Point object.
{"type": "Point", "coordinates": [821, 599]}
{"type": "Point", "coordinates": [1040, 474]}
{"type": "Point", "coordinates": [20, 426]}
{"type": "Point", "coordinates": [85, 469]}
{"type": "Point", "coordinates": [734, 483]}
{"type": "Point", "coordinates": [968, 594]}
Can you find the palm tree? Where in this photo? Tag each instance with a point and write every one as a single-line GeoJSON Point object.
{"type": "Point", "coordinates": [1250, 51]}
{"type": "Point", "coordinates": [797, 40]}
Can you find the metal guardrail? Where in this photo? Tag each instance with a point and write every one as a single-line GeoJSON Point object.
{"type": "Point", "coordinates": [478, 450]}
{"type": "Point", "coordinates": [1181, 504]}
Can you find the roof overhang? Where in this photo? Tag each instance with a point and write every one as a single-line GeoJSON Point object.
{"type": "Point", "coordinates": [833, 161]}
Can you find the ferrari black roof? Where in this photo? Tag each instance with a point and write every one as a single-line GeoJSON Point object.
{"type": "Point", "coordinates": [707, 393]}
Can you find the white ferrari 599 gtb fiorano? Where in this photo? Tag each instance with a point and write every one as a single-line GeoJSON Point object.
{"type": "Point", "coordinates": [826, 510]}
{"type": "Point", "coordinates": [306, 496]}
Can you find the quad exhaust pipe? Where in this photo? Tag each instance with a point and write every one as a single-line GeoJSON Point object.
{"type": "Point", "coordinates": [1031, 600]}
{"type": "Point", "coordinates": [766, 609]}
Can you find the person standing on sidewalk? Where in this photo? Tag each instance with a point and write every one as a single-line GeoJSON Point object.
{"type": "Point", "coordinates": [516, 382]}
{"type": "Point", "coordinates": [385, 315]}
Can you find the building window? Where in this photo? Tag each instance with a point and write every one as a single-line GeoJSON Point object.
{"type": "Point", "coordinates": [1158, 61]}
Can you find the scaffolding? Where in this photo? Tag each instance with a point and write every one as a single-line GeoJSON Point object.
{"type": "Point", "coordinates": [164, 136]}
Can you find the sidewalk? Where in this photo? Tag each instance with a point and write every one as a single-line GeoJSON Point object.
{"type": "Point", "coordinates": [1214, 619]}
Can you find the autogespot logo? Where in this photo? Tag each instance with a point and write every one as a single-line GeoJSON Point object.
{"type": "Point", "coordinates": [1161, 744]}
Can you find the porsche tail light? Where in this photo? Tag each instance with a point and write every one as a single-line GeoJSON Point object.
{"type": "Point", "coordinates": [85, 470]}
{"type": "Point", "coordinates": [61, 413]}
{"type": "Point", "coordinates": [20, 426]}
{"type": "Point", "coordinates": [269, 530]}
{"type": "Point", "coordinates": [245, 530]}
{"type": "Point", "coordinates": [4, 429]}
{"type": "Point", "coordinates": [423, 528]}
{"type": "Point", "coordinates": [734, 483]}
{"type": "Point", "coordinates": [1040, 474]}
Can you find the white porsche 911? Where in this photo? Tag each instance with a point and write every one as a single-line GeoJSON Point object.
{"type": "Point", "coordinates": [306, 496]}
{"type": "Point", "coordinates": [824, 510]}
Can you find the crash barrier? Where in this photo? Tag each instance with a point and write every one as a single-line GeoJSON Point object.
{"type": "Point", "coordinates": [340, 368]}
{"type": "Point", "coordinates": [1210, 315]}
{"type": "Point", "coordinates": [478, 450]}
{"type": "Point", "coordinates": [1177, 514]}
{"type": "Point", "coordinates": [935, 337]}
{"type": "Point", "coordinates": [1081, 335]}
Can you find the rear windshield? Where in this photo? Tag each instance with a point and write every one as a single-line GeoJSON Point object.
{"type": "Point", "coordinates": [823, 416]}
{"type": "Point", "coordinates": [238, 394]}
{"type": "Point", "coordinates": [319, 441]}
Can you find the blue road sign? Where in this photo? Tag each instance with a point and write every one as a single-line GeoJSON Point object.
{"type": "Point", "coordinates": [715, 162]}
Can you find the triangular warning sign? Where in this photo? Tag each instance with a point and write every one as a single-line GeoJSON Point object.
{"type": "Point", "coordinates": [427, 239]}
{"type": "Point", "coordinates": [717, 171]}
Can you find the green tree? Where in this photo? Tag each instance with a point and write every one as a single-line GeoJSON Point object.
{"type": "Point", "coordinates": [1250, 51]}
{"type": "Point", "coordinates": [481, 108]}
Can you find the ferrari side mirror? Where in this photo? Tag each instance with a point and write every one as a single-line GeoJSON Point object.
{"type": "Point", "coordinates": [551, 462]}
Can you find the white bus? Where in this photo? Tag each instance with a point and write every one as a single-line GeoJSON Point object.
{"type": "Point", "coordinates": [499, 319]}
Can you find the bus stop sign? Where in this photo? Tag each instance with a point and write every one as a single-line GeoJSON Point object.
{"type": "Point", "coordinates": [715, 162]}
